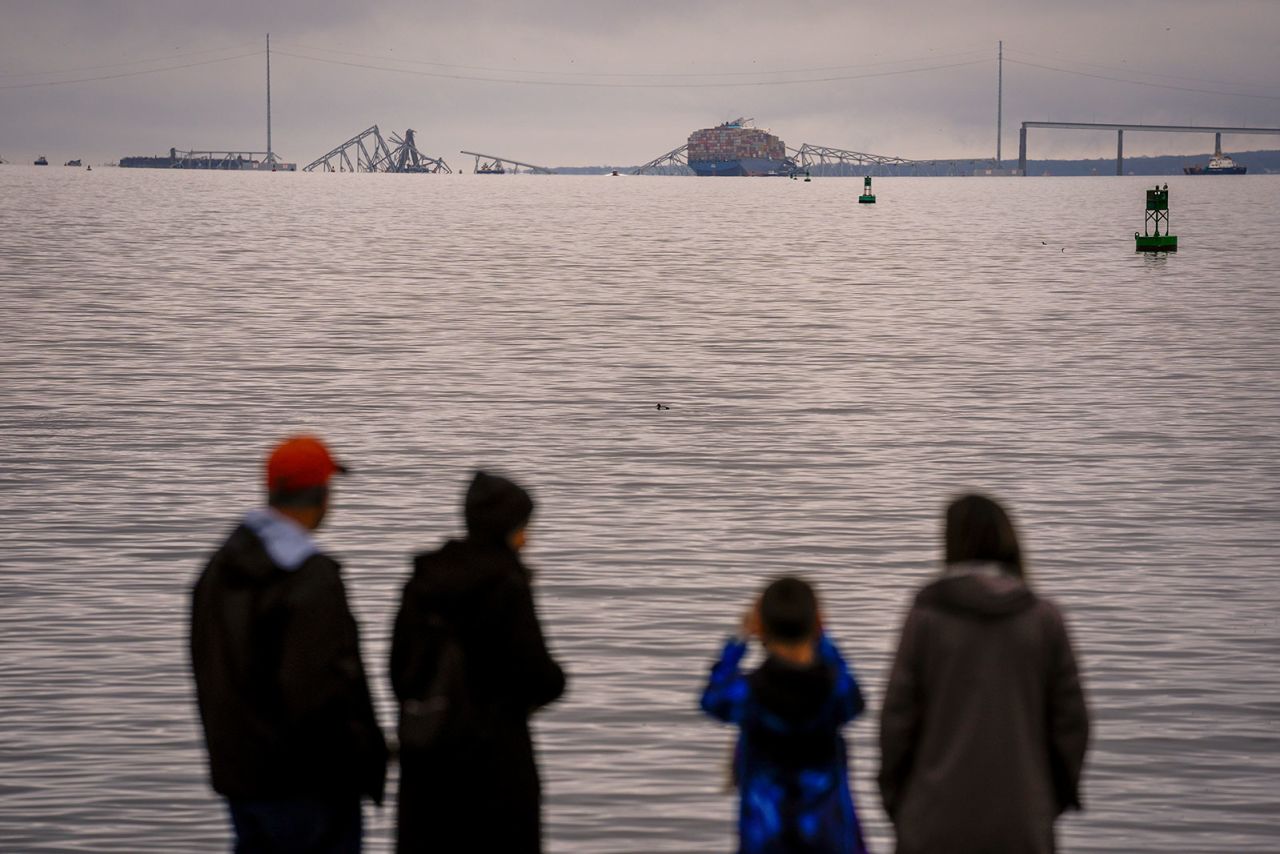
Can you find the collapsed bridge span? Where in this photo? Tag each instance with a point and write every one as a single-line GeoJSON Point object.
{"type": "Point", "coordinates": [367, 151]}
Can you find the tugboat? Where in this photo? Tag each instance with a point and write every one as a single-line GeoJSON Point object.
{"type": "Point", "coordinates": [42, 160]}
{"type": "Point", "coordinates": [1220, 164]}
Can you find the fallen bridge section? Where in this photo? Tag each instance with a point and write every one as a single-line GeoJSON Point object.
{"type": "Point", "coordinates": [367, 151]}
{"type": "Point", "coordinates": [674, 162]}
{"type": "Point", "coordinates": [825, 160]}
{"type": "Point", "coordinates": [815, 159]}
{"type": "Point", "coordinates": [490, 164]}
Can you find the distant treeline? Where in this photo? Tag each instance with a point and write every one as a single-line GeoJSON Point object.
{"type": "Point", "coordinates": [1259, 163]}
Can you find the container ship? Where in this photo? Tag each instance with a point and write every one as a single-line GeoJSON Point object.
{"type": "Point", "coordinates": [737, 148]}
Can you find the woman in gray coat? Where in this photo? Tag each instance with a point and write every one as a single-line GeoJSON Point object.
{"type": "Point", "coordinates": [984, 726]}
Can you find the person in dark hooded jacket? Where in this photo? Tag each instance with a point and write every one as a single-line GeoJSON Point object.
{"type": "Point", "coordinates": [478, 788]}
{"type": "Point", "coordinates": [790, 763]}
{"type": "Point", "coordinates": [984, 726]}
{"type": "Point", "coordinates": [290, 727]}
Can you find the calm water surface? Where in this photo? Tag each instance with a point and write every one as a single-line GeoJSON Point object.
{"type": "Point", "coordinates": [834, 373]}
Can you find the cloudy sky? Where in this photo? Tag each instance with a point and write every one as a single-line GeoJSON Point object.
{"type": "Point", "coordinates": [577, 82]}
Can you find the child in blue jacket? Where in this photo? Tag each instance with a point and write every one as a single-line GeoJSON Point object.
{"type": "Point", "coordinates": [790, 764]}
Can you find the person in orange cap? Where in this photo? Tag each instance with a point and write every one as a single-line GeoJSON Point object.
{"type": "Point", "coordinates": [293, 741]}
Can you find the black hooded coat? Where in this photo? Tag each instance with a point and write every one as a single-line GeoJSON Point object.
{"type": "Point", "coordinates": [279, 680]}
{"type": "Point", "coordinates": [478, 791]}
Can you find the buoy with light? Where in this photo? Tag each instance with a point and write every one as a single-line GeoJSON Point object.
{"type": "Point", "coordinates": [867, 197]}
{"type": "Point", "coordinates": [1157, 214]}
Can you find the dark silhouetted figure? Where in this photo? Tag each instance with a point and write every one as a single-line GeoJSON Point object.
{"type": "Point", "coordinates": [293, 741]}
{"type": "Point", "coordinates": [984, 726]}
{"type": "Point", "coordinates": [477, 788]}
{"type": "Point", "coordinates": [791, 764]}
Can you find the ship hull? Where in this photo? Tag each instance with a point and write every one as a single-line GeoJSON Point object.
{"type": "Point", "coordinates": [1209, 170]}
{"type": "Point", "coordinates": [739, 167]}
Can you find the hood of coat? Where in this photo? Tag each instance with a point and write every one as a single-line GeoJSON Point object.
{"type": "Point", "coordinates": [287, 542]}
{"type": "Point", "coordinates": [978, 591]}
{"type": "Point", "coordinates": [461, 572]}
{"type": "Point", "coordinates": [246, 560]}
{"type": "Point", "coordinates": [495, 507]}
{"type": "Point", "coordinates": [793, 693]}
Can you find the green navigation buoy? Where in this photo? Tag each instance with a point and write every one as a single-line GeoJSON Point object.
{"type": "Point", "coordinates": [806, 176]}
{"type": "Point", "coordinates": [867, 197]}
{"type": "Point", "coordinates": [1157, 213]}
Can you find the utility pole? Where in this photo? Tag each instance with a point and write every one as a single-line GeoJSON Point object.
{"type": "Point", "coordinates": [999, 98]}
{"type": "Point", "coordinates": [271, 157]}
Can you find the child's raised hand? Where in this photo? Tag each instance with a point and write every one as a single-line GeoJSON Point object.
{"type": "Point", "coordinates": [751, 621]}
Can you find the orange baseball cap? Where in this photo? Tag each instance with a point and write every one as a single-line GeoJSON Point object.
{"type": "Point", "coordinates": [300, 462]}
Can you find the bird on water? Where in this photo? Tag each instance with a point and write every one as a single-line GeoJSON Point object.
{"type": "Point", "coordinates": [663, 406]}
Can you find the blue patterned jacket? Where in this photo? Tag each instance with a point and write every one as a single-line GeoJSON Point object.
{"type": "Point", "coordinates": [791, 762]}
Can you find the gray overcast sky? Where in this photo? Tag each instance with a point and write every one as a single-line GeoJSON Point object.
{"type": "Point", "coordinates": [1223, 46]}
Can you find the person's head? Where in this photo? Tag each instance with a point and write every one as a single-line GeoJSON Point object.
{"type": "Point", "coordinates": [298, 474]}
{"type": "Point", "coordinates": [979, 529]}
{"type": "Point", "coordinates": [788, 612]}
{"type": "Point", "coordinates": [497, 510]}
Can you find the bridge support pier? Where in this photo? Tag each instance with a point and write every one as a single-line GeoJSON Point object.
{"type": "Point", "coordinates": [1022, 151]}
{"type": "Point", "coordinates": [1120, 152]}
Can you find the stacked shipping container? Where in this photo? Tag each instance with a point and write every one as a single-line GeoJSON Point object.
{"type": "Point", "coordinates": [735, 149]}
{"type": "Point", "coordinates": [732, 142]}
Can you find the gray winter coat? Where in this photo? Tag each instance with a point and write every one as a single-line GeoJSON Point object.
{"type": "Point", "coordinates": [984, 726]}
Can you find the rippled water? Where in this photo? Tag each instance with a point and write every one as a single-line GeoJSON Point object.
{"type": "Point", "coordinates": [834, 373]}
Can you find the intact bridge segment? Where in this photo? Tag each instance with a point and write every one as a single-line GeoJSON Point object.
{"type": "Point", "coordinates": [1121, 128]}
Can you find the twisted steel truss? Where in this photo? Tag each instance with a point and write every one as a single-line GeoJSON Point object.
{"type": "Point", "coordinates": [672, 163]}
{"type": "Point", "coordinates": [368, 152]}
{"type": "Point", "coordinates": [491, 164]}
{"type": "Point", "coordinates": [828, 161]}
{"type": "Point", "coordinates": [813, 159]}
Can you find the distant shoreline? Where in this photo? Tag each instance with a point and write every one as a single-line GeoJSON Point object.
{"type": "Point", "coordinates": [1262, 162]}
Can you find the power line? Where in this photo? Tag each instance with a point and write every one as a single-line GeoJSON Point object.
{"type": "Point", "coordinates": [685, 74]}
{"type": "Point", "coordinates": [600, 85]}
{"type": "Point", "coordinates": [1145, 82]}
{"type": "Point", "coordinates": [1067, 59]}
{"type": "Point", "coordinates": [130, 73]}
{"type": "Point", "coordinates": [130, 62]}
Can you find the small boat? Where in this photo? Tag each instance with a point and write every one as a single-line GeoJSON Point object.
{"type": "Point", "coordinates": [491, 170]}
{"type": "Point", "coordinates": [42, 161]}
{"type": "Point", "coordinates": [72, 163]}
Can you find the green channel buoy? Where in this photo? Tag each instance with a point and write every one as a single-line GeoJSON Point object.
{"type": "Point", "coordinates": [867, 197]}
{"type": "Point", "coordinates": [806, 176]}
{"type": "Point", "coordinates": [1157, 213]}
